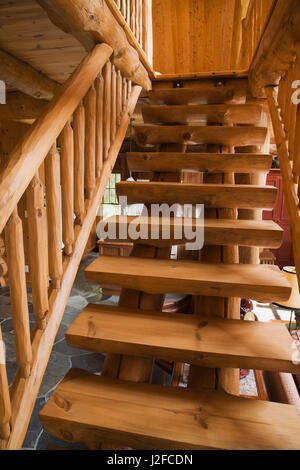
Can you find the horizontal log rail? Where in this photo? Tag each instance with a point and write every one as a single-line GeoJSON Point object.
{"type": "Point", "coordinates": [57, 175]}
{"type": "Point", "coordinates": [275, 73]}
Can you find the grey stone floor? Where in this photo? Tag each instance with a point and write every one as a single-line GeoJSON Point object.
{"type": "Point", "coordinates": [64, 357]}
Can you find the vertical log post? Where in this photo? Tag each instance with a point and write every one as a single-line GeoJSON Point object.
{"type": "Point", "coordinates": [67, 183]}
{"type": "Point", "coordinates": [5, 404]}
{"type": "Point", "coordinates": [99, 124]}
{"type": "Point", "coordinates": [53, 197]}
{"type": "Point", "coordinates": [90, 143]}
{"type": "Point", "coordinates": [124, 94]}
{"type": "Point", "coordinates": [18, 292]}
{"type": "Point", "coordinates": [38, 250]}
{"type": "Point", "coordinates": [119, 97]}
{"type": "Point", "coordinates": [79, 142]}
{"type": "Point", "coordinates": [113, 103]}
{"type": "Point", "coordinates": [107, 109]}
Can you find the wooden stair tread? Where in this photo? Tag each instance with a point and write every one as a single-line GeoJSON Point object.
{"type": "Point", "coordinates": [185, 96]}
{"type": "Point", "coordinates": [197, 134]}
{"type": "Point", "coordinates": [262, 233]}
{"type": "Point", "coordinates": [212, 195]}
{"type": "Point", "coordinates": [208, 342]}
{"type": "Point", "coordinates": [206, 162]}
{"type": "Point", "coordinates": [215, 113]}
{"type": "Point", "coordinates": [142, 416]}
{"type": "Point", "coordinates": [262, 283]}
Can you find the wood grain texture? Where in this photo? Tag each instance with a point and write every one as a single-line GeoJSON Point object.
{"type": "Point", "coordinates": [262, 283]}
{"type": "Point", "coordinates": [38, 141]}
{"type": "Point", "coordinates": [85, 407]}
{"type": "Point", "coordinates": [53, 201]}
{"type": "Point", "coordinates": [192, 135]}
{"type": "Point", "coordinates": [38, 249]}
{"type": "Point", "coordinates": [18, 292]}
{"type": "Point", "coordinates": [216, 231]}
{"type": "Point", "coordinates": [27, 33]}
{"type": "Point", "coordinates": [209, 342]}
{"type": "Point", "coordinates": [204, 162]}
{"type": "Point", "coordinates": [25, 78]}
{"type": "Point", "coordinates": [5, 404]}
{"type": "Point", "coordinates": [212, 195]}
{"type": "Point", "coordinates": [201, 95]}
{"type": "Point", "coordinates": [92, 22]}
{"type": "Point", "coordinates": [213, 113]}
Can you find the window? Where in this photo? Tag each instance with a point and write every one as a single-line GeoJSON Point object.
{"type": "Point", "coordinates": [110, 204]}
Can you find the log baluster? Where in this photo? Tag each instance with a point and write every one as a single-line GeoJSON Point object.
{"type": "Point", "coordinates": [99, 124]}
{"type": "Point", "coordinates": [5, 404]}
{"type": "Point", "coordinates": [124, 94]}
{"type": "Point", "coordinates": [53, 197]}
{"type": "Point", "coordinates": [129, 88]}
{"type": "Point", "coordinates": [119, 97]}
{"type": "Point", "coordinates": [79, 141]}
{"type": "Point", "coordinates": [90, 143]}
{"type": "Point", "coordinates": [67, 183]}
{"type": "Point", "coordinates": [38, 249]}
{"type": "Point", "coordinates": [18, 292]}
{"type": "Point", "coordinates": [113, 103]}
{"type": "Point", "coordinates": [107, 110]}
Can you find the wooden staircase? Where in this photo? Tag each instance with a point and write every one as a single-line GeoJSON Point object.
{"type": "Point", "coordinates": [122, 408]}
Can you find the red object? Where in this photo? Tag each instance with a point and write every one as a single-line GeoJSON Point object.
{"type": "Point", "coordinates": [284, 255]}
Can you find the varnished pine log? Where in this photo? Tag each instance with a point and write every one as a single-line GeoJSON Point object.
{"type": "Point", "coordinates": [25, 78]}
{"type": "Point", "coordinates": [113, 103]}
{"type": "Point", "coordinates": [119, 97]}
{"type": "Point", "coordinates": [67, 183]}
{"type": "Point", "coordinates": [38, 250]}
{"type": "Point", "coordinates": [18, 293]}
{"type": "Point", "coordinates": [30, 152]}
{"type": "Point", "coordinates": [276, 49]}
{"type": "Point", "coordinates": [92, 22]}
{"type": "Point", "coordinates": [201, 162]}
{"type": "Point", "coordinates": [5, 405]}
{"type": "Point", "coordinates": [212, 195]}
{"type": "Point", "coordinates": [193, 134]}
{"type": "Point", "coordinates": [99, 85]}
{"type": "Point", "coordinates": [79, 151]}
{"type": "Point", "coordinates": [90, 143]}
{"type": "Point", "coordinates": [213, 113]}
{"type": "Point", "coordinates": [107, 110]}
{"type": "Point", "coordinates": [124, 94]}
{"type": "Point", "coordinates": [53, 198]}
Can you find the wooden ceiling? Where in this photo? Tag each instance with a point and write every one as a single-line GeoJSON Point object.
{"type": "Point", "coordinates": [196, 35]}
{"type": "Point", "coordinates": [27, 33]}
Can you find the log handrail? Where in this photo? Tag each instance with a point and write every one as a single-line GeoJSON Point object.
{"type": "Point", "coordinates": [29, 154]}
{"type": "Point", "coordinates": [141, 36]}
{"type": "Point", "coordinates": [274, 73]}
{"type": "Point", "coordinates": [54, 182]}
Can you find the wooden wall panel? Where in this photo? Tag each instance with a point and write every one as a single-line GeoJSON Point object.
{"type": "Point", "coordinates": [197, 35]}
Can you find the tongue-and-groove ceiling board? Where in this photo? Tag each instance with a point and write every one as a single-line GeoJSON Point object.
{"type": "Point", "coordinates": [27, 33]}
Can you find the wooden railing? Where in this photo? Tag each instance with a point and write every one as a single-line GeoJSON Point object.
{"type": "Point", "coordinates": [252, 27]}
{"type": "Point", "coordinates": [53, 184]}
{"type": "Point", "coordinates": [275, 72]}
{"type": "Point", "coordinates": [135, 16]}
